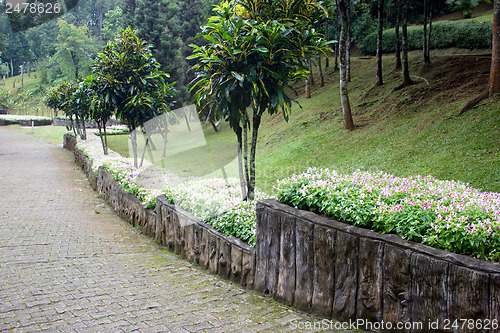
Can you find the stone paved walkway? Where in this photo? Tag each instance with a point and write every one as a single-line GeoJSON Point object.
{"type": "Point", "coordinates": [69, 264]}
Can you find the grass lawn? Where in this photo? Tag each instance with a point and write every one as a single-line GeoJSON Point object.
{"type": "Point", "coordinates": [52, 134]}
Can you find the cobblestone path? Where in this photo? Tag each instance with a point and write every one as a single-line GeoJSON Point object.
{"type": "Point", "coordinates": [69, 264]}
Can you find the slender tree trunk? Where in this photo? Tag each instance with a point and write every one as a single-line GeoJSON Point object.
{"type": "Point", "coordinates": [133, 141]}
{"type": "Point", "coordinates": [406, 71]}
{"type": "Point", "coordinates": [243, 185]}
{"type": "Point", "coordinates": [337, 47]}
{"type": "Point", "coordinates": [307, 87]}
{"type": "Point", "coordinates": [344, 35]}
{"type": "Point", "coordinates": [99, 24]}
{"type": "Point", "coordinates": [429, 33]}
{"type": "Point", "coordinates": [22, 75]}
{"type": "Point", "coordinates": [29, 69]}
{"type": "Point", "coordinates": [327, 33]}
{"type": "Point", "coordinates": [11, 68]}
{"type": "Point", "coordinates": [245, 155]}
{"type": "Point", "coordinates": [214, 126]}
{"type": "Point", "coordinates": [426, 39]}
{"type": "Point", "coordinates": [311, 76]}
{"type": "Point", "coordinates": [348, 42]}
{"type": "Point", "coordinates": [494, 83]}
{"type": "Point", "coordinates": [320, 69]}
{"type": "Point", "coordinates": [187, 121]}
{"type": "Point", "coordinates": [253, 148]}
{"type": "Point", "coordinates": [105, 136]}
{"type": "Point", "coordinates": [380, 31]}
{"type": "Point", "coordinates": [101, 136]}
{"type": "Point", "coordinates": [398, 44]}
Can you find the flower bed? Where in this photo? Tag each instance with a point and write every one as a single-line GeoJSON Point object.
{"type": "Point", "coordinates": [444, 214]}
{"type": "Point", "coordinates": [213, 201]}
{"type": "Point", "coordinates": [115, 130]}
{"type": "Point", "coordinates": [9, 119]}
{"type": "Point", "coordinates": [13, 118]}
{"type": "Point", "coordinates": [218, 203]}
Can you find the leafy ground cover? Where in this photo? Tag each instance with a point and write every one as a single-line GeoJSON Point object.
{"type": "Point", "coordinates": [449, 215]}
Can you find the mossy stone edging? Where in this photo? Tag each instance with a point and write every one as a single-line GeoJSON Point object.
{"type": "Point", "coordinates": [345, 272]}
{"type": "Point", "coordinates": [4, 122]}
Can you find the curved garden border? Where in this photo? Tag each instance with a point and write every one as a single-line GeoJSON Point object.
{"type": "Point", "coordinates": [4, 122]}
{"type": "Point", "coordinates": [320, 265]}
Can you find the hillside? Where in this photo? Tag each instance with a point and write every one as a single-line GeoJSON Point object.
{"type": "Point", "coordinates": [412, 131]}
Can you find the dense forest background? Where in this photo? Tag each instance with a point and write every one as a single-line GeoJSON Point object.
{"type": "Point", "coordinates": [65, 47]}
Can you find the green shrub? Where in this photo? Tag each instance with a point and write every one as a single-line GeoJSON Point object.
{"type": "Point", "coordinates": [462, 34]}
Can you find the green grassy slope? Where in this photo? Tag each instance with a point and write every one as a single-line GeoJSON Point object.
{"type": "Point", "coordinates": [415, 130]}
{"type": "Point", "coordinates": [411, 131]}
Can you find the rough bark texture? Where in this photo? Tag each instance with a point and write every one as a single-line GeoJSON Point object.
{"type": "Point", "coordinates": [343, 56]}
{"type": "Point", "coordinates": [286, 275]}
{"type": "Point", "coordinates": [494, 84]}
{"type": "Point", "coordinates": [406, 70]}
{"type": "Point", "coordinates": [463, 283]}
{"type": "Point", "coordinates": [429, 289]}
{"type": "Point", "coordinates": [305, 265]}
{"type": "Point", "coordinates": [396, 270]}
{"type": "Point", "coordinates": [261, 249]}
{"type": "Point", "coordinates": [370, 284]}
{"type": "Point", "coordinates": [425, 36]}
{"type": "Point", "coordinates": [380, 30]}
{"type": "Point", "coordinates": [324, 271]}
{"type": "Point", "coordinates": [346, 276]}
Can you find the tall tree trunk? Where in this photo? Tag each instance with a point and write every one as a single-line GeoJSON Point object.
{"type": "Point", "coordinates": [308, 84]}
{"type": "Point", "coordinates": [75, 62]}
{"type": "Point", "coordinates": [327, 32]}
{"type": "Point", "coordinates": [11, 68]}
{"type": "Point", "coordinates": [214, 126]}
{"type": "Point", "coordinates": [380, 31]}
{"type": "Point", "coordinates": [311, 76]}
{"type": "Point", "coordinates": [426, 39]}
{"type": "Point", "coordinates": [406, 71]}
{"type": "Point", "coordinates": [99, 24]}
{"type": "Point", "coordinates": [245, 155]}
{"type": "Point", "coordinates": [348, 42]}
{"type": "Point", "coordinates": [337, 47]}
{"type": "Point", "coordinates": [243, 184]}
{"type": "Point", "coordinates": [22, 75]}
{"type": "Point", "coordinates": [429, 32]}
{"type": "Point", "coordinates": [133, 141]}
{"type": "Point", "coordinates": [253, 148]}
{"type": "Point", "coordinates": [320, 69]}
{"type": "Point", "coordinates": [398, 44]}
{"type": "Point", "coordinates": [29, 69]}
{"type": "Point", "coordinates": [344, 54]}
{"type": "Point", "coordinates": [494, 83]}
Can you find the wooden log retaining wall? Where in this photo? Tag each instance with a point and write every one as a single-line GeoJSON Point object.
{"type": "Point", "coordinates": [322, 266]}
{"type": "Point", "coordinates": [173, 227]}
{"type": "Point", "coordinates": [344, 272]}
